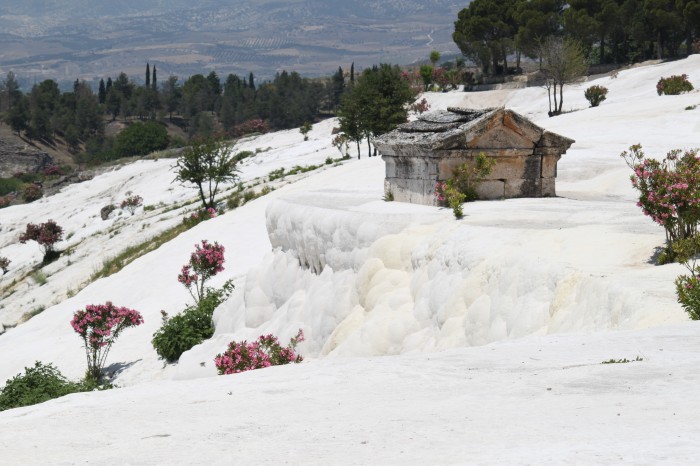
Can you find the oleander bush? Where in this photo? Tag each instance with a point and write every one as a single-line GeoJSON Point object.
{"type": "Point", "coordinates": [46, 235]}
{"type": "Point", "coordinates": [99, 326]}
{"type": "Point", "coordinates": [189, 328]}
{"type": "Point", "coordinates": [193, 325]}
{"type": "Point", "coordinates": [131, 203]}
{"type": "Point", "coordinates": [266, 351]}
{"type": "Point", "coordinates": [669, 192]}
{"type": "Point", "coordinates": [674, 85]}
{"type": "Point", "coordinates": [686, 252]}
{"type": "Point", "coordinates": [32, 192]}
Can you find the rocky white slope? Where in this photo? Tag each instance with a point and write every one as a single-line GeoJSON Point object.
{"type": "Point", "coordinates": [552, 287]}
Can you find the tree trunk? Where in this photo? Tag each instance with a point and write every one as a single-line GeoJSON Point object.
{"type": "Point", "coordinates": [358, 148]}
{"type": "Point", "coordinates": [369, 148]}
{"type": "Point", "coordinates": [688, 41]}
{"type": "Point", "coordinates": [561, 97]}
{"type": "Point", "coordinates": [659, 48]}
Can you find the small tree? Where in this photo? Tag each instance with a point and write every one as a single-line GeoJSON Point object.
{"type": "Point", "coordinates": [47, 235]}
{"type": "Point", "coordinates": [207, 165]}
{"type": "Point", "coordinates": [99, 326]}
{"type": "Point", "coordinates": [434, 57]}
{"type": "Point", "coordinates": [426, 73]}
{"type": "Point", "coordinates": [563, 63]}
{"type": "Point", "coordinates": [305, 129]}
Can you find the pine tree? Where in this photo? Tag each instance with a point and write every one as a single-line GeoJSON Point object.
{"type": "Point", "coordinates": [148, 75]}
{"type": "Point", "coordinates": [102, 92]}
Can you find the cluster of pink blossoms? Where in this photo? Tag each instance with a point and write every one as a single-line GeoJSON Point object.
{"type": "Point", "coordinates": [131, 203]}
{"type": "Point", "coordinates": [669, 190]}
{"type": "Point", "coordinates": [99, 325]}
{"type": "Point", "coordinates": [206, 261]}
{"type": "Point", "coordinates": [266, 351]}
{"type": "Point", "coordinates": [440, 187]}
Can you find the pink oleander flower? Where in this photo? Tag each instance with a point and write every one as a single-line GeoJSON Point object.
{"type": "Point", "coordinates": [266, 351]}
{"type": "Point", "coordinates": [206, 261]}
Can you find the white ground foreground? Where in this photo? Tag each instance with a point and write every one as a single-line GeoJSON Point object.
{"type": "Point", "coordinates": [429, 340]}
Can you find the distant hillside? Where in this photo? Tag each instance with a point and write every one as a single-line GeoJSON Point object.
{"type": "Point", "coordinates": [72, 39]}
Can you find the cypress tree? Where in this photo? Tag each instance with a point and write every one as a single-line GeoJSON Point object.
{"type": "Point", "coordinates": [148, 75]}
{"type": "Point", "coordinates": [154, 81]}
{"type": "Point", "coordinates": [251, 82]}
{"type": "Point", "coordinates": [109, 85]}
{"type": "Point", "coordinates": [102, 92]}
{"type": "Point", "coordinates": [352, 73]}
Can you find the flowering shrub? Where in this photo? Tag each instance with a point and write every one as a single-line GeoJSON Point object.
{"type": "Point", "coordinates": [32, 192]}
{"type": "Point", "coordinates": [674, 85]}
{"type": "Point", "coordinates": [266, 351]}
{"type": "Point", "coordinates": [99, 326]}
{"type": "Point", "coordinates": [595, 95]}
{"type": "Point", "coordinates": [6, 200]}
{"type": "Point", "coordinates": [251, 127]}
{"type": "Point", "coordinates": [420, 107]}
{"type": "Point", "coordinates": [4, 264]}
{"type": "Point", "coordinates": [669, 191]}
{"type": "Point", "coordinates": [206, 261]}
{"type": "Point", "coordinates": [47, 235]}
{"type": "Point", "coordinates": [199, 216]}
{"type": "Point", "coordinates": [53, 170]}
{"type": "Point", "coordinates": [462, 186]}
{"type": "Point", "coordinates": [131, 203]}
{"type": "Point", "coordinates": [688, 286]}
{"type": "Point", "coordinates": [448, 195]}
{"type": "Point", "coordinates": [192, 326]}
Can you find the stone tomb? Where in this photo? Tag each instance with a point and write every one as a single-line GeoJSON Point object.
{"type": "Point", "coordinates": [422, 152]}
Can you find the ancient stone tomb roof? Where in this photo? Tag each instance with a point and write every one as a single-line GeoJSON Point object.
{"type": "Point", "coordinates": [463, 128]}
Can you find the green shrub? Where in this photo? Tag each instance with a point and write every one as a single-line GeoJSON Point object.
{"type": "Point", "coordinates": [141, 139]}
{"type": "Point", "coordinates": [40, 383]}
{"type": "Point", "coordinates": [191, 327]}
{"type": "Point", "coordinates": [595, 95]}
{"type": "Point", "coordinates": [249, 196]}
{"type": "Point", "coordinates": [686, 251]}
{"type": "Point", "coordinates": [233, 201]}
{"type": "Point", "coordinates": [468, 176]}
{"type": "Point", "coordinates": [276, 174]}
{"type": "Point", "coordinates": [10, 185]}
{"type": "Point", "coordinates": [244, 154]}
{"type": "Point", "coordinates": [674, 85]}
